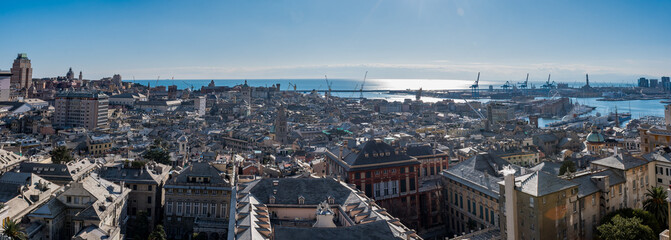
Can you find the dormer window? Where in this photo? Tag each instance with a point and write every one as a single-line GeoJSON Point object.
{"type": "Point", "coordinates": [271, 200]}
{"type": "Point", "coordinates": [365, 155]}
{"type": "Point", "coordinates": [331, 200]}
{"type": "Point", "coordinates": [388, 154]}
{"type": "Point", "coordinates": [301, 200]}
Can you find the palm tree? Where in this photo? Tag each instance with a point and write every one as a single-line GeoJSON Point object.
{"type": "Point", "coordinates": [656, 204]}
{"type": "Point", "coordinates": [14, 231]}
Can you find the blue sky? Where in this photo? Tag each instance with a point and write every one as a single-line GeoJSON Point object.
{"type": "Point", "coordinates": [442, 39]}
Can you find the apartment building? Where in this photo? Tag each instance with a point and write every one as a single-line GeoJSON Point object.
{"type": "Point", "coordinates": [81, 109]}
{"type": "Point", "coordinates": [197, 201]}
{"type": "Point", "coordinates": [384, 172]}
{"type": "Point", "coordinates": [146, 184]}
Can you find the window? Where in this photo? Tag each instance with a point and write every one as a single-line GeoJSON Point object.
{"type": "Point", "coordinates": [377, 189]}
{"type": "Point", "coordinates": [179, 208]}
{"type": "Point", "coordinates": [659, 180]}
{"type": "Point", "coordinates": [402, 170]}
{"type": "Point", "coordinates": [69, 199]}
{"type": "Point", "coordinates": [187, 210]}
{"type": "Point", "coordinates": [196, 209]}
{"type": "Point", "coordinates": [575, 207]}
{"type": "Point", "coordinates": [620, 188]}
{"type": "Point", "coordinates": [134, 186]}
{"type": "Point", "coordinates": [149, 188]}
{"type": "Point", "coordinates": [223, 210]}
{"type": "Point", "coordinates": [394, 188]}
{"type": "Point", "coordinates": [148, 212]}
{"type": "Point", "coordinates": [633, 184]}
{"type": "Point", "coordinates": [149, 199]}
{"type": "Point", "coordinates": [403, 186]}
{"type": "Point", "coordinates": [386, 188]}
{"type": "Point", "coordinates": [593, 200]}
{"type": "Point", "coordinates": [481, 212]}
{"type": "Point", "coordinates": [168, 208]}
{"type": "Point", "coordinates": [412, 184]}
{"type": "Point", "coordinates": [531, 201]}
{"type": "Point", "coordinates": [468, 203]}
{"type": "Point", "coordinates": [204, 209]}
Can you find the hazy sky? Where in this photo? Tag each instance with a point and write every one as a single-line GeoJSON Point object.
{"type": "Point", "coordinates": [611, 40]}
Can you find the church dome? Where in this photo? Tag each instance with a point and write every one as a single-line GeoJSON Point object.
{"type": "Point", "coordinates": [595, 137]}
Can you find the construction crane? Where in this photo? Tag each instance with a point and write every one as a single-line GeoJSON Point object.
{"type": "Point", "coordinates": [475, 87]}
{"type": "Point", "coordinates": [329, 87]}
{"type": "Point", "coordinates": [188, 84]}
{"type": "Point", "coordinates": [362, 84]}
{"type": "Point", "coordinates": [159, 77]}
{"type": "Point", "coordinates": [548, 84]}
{"type": "Point", "coordinates": [291, 85]}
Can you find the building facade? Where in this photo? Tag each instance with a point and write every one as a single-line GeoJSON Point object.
{"type": "Point", "coordinates": [5, 86]}
{"type": "Point", "coordinates": [385, 173]}
{"type": "Point", "coordinates": [22, 72]}
{"type": "Point", "coordinates": [81, 109]}
{"type": "Point", "coordinates": [146, 185]}
{"type": "Point", "coordinates": [197, 201]}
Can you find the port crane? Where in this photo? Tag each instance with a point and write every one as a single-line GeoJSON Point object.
{"type": "Point", "coordinates": [548, 84]}
{"type": "Point", "coordinates": [507, 86]}
{"type": "Point", "coordinates": [524, 84]}
{"type": "Point", "coordinates": [475, 87]}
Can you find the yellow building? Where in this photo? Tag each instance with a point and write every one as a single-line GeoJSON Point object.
{"type": "Point", "coordinates": [98, 145]}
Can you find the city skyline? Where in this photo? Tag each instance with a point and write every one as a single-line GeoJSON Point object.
{"type": "Point", "coordinates": [616, 42]}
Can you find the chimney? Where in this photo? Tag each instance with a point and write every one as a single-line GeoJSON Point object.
{"type": "Point", "coordinates": [340, 154]}
{"type": "Point", "coordinates": [122, 185]}
{"type": "Point", "coordinates": [511, 201]}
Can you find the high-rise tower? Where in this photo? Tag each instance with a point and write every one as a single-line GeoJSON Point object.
{"type": "Point", "coordinates": [22, 72]}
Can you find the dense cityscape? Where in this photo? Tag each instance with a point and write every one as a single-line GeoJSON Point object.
{"type": "Point", "coordinates": [324, 120]}
{"type": "Point", "coordinates": [113, 159]}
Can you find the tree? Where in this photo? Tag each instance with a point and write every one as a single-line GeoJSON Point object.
{"type": "Point", "coordinates": [61, 154]}
{"type": "Point", "coordinates": [656, 204]}
{"type": "Point", "coordinates": [200, 236]}
{"type": "Point", "coordinates": [158, 233]}
{"type": "Point", "coordinates": [621, 228]}
{"type": "Point", "coordinates": [157, 153]}
{"type": "Point", "coordinates": [139, 227]}
{"type": "Point", "coordinates": [14, 231]}
{"type": "Point", "coordinates": [647, 218]}
{"type": "Point", "coordinates": [567, 166]}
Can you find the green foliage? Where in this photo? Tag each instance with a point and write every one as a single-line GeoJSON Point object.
{"type": "Point", "coordinates": [139, 227]}
{"type": "Point", "coordinates": [158, 233]}
{"type": "Point", "coordinates": [647, 218]}
{"type": "Point", "coordinates": [620, 228]}
{"type": "Point", "coordinates": [138, 164]}
{"type": "Point", "coordinates": [656, 204]}
{"type": "Point", "coordinates": [157, 153]}
{"type": "Point", "coordinates": [14, 231]}
{"type": "Point", "coordinates": [567, 166]}
{"type": "Point", "coordinates": [199, 236]}
{"type": "Point", "coordinates": [61, 154]}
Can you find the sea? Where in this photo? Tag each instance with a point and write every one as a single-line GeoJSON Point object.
{"type": "Point", "coordinates": [637, 108]}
